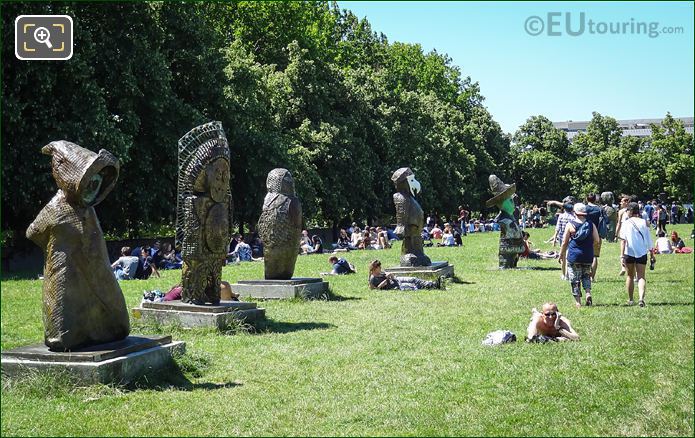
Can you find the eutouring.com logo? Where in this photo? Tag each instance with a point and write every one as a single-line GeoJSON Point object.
{"type": "Point", "coordinates": [577, 24]}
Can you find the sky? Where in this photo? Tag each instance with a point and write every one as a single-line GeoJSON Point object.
{"type": "Point", "coordinates": [615, 66]}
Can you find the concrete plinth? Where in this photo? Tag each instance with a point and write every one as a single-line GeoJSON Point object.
{"type": "Point", "coordinates": [431, 272]}
{"type": "Point", "coordinates": [190, 315]}
{"type": "Point", "coordinates": [114, 362]}
{"type": "Point", "coordinates": [306, 288]}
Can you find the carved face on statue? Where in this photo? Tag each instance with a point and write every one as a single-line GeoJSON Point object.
{"type": "Point", "coordinates": [507, 206]}
{"type": "Point", "coordinates": [217, 174]}
{"type": "Point", "coordinates": [413, 184]}
{"type": "Point", "coordinates": [92, 189]}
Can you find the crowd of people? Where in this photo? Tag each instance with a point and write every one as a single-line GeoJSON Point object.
{"type": "Point", "coordinates": [582, 227]}
{"type": "Point", "coordinates": [141, 262]}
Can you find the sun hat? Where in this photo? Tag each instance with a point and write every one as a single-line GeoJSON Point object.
{"type": "Point", "coordinates": [580, 208]}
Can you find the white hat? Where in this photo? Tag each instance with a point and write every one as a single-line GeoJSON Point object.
{"type": "Point", "coordinates": [580, 209]}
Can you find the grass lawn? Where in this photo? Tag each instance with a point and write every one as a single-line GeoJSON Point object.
{"type": "Point", "coordinates": [395, 363]}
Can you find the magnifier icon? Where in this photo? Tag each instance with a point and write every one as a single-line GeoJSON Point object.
{"type": "Point", "coordinates": [42, 36]}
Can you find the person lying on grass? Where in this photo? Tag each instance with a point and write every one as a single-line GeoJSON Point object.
{"type": "Point", "coordinates": [550, 325]}
{"type": "Point", "coordinates": [340, 266]}
{"type": "Point", "coordinates": [380, 280]}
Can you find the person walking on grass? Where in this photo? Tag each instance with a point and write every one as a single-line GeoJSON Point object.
{"type": "Point", "coordinates": [578, 249]}
{"type": "Point", "coordinates": [622, 216]}
{"type": "Point", "coordinates": [635, 243]}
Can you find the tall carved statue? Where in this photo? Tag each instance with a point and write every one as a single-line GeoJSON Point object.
{"type": "Point", "coordinates": [511, 236]}
{"type": "Point", "coordinates": [280, 225]}
{"type": "Point", "coordinates": [82, 302]}
{"type": "Point", "coordinates": [203, 212]}
{"type": "Point", "coordinates": [409, 218]}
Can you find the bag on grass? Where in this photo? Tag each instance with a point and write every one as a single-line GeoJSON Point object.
{"type": "Point", "coordinates": [499, 337]}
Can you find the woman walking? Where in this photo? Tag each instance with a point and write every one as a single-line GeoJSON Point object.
{"type": "Point", "coordinates": [635, 244]}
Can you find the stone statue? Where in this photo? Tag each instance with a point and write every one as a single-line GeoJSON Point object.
{"type": "Point", "coordinates": [608, 200]}
{"type": "Point", "coordinates": [511, 236]}
{"type": "Point", "coordinates": [280, 225]}
{"type": "Point", "coordinates": [203, 212]}
{"type": "Point", "coordinates": [82, 302]}
{"type": "Point", "coordinates": [409, 218]}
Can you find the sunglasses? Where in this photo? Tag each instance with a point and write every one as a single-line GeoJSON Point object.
{"type": "Point", "coordinates": [550, 314]}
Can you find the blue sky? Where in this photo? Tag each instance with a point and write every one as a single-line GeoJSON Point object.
{"type": "Point", "coordinates": [624, 75]}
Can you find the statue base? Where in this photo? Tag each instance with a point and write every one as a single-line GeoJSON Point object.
{"type": "Point", "coordinates": [431, 272]}
{"type": "Point", "coordinates": [508, 261]}
{"type": "Point", "coordinates": [304, 288]}
{"type": "Point", "coordinates": [115, 362]}
{"type": "Point", "coordinates": [191, 315]}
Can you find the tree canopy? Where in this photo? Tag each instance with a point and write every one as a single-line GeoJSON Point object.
{"type": "Point", "coordinates": [302, 85]}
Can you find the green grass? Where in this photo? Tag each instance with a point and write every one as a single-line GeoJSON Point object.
{"type": "Point", "coordinates": [395, 363]}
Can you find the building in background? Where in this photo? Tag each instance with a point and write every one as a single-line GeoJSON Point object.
{"type": "Point", "coordinates": [633, 127]}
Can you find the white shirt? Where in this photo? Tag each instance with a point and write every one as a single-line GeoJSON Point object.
{"type": "Point", "coordinates": [663, 245]}
{"type": "Point", "coordinates": [636, 244]}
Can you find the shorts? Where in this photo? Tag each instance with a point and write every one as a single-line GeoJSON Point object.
{"type": "Point", "coordinates": [597, 247]}
{"type": "Point", "coordinates": [579, 274]}
{"type": "Point", "coordinates": [636, 260]}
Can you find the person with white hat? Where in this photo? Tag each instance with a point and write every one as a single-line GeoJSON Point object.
{"type": "Point", "coordinates": [578, 249]}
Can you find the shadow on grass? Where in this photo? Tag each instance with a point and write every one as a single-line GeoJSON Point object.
{"type": "Point", "coordinates": [649, 304]}
{"type": "Point", "coordinates": [538, 268]}
{"type": "Point", "coordinates": [335, 297]}
{"type": "Point", "coordinates": [173, 378]}
{"type": "Point", "coordinates": [270, 326]}
{"type": "Point", "coordinates": [457, 280]}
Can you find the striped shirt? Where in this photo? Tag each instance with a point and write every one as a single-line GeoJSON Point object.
{"type": "Point", "coordinates": [562, 223]}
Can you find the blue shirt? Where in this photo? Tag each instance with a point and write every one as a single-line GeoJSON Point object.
{"type": "Point", "coordinates": [341, 267]}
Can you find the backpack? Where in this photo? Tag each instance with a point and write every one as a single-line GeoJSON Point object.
{"type": "Point", "coordinates": [603, 225]}
{"type": "Point", "coordinates": [584, 231]}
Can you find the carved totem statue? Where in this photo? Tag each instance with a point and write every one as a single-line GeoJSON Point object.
{"type": "Point", "coordinates": [203, 211]}
{"type": "Point", "coordinates": [511, 236]}
{"type": "Point", "coordinates": [409, 218]}
{"type": "Point", "coordinates": [82, 302]}
{"type": "Point", "coordinates": [280, 225]}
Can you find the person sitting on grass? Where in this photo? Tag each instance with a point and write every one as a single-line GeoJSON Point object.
{"type": "Point", "coordinates": [340, 266]}
{"type": "Point", "coordinates": [678, 244]}
{"type": "Point", "coordinates": [148, 266]}
{"type": "Point", "coordinates": [380, 280]}
{"type": "Point", "coordinates": [366, 241]}
{"type": "Point", "coordinates": [663, 244]}
{"type": "Point", "coordinates": [126, 266]}
{"type": "Point", "coordinates": [426, 238]}
{"type": "Point", "coordinates": [447, 236]}
{"type": "Point", "coordinates": [344, 241]}
{"type": "Point", "coordinates": [535, 254]}
{"type": "Point", "coordinates": [382, 239]}
{"type": "Point", "coordinates": [550, 325]}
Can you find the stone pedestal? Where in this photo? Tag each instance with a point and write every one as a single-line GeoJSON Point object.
{"type": "Point", "coordinates": [115, 362]}
{"type": "Point", "coordinates": [431, 272]}
{"type": "Point", "coordinates": [191, 315]}
{"type": "Point", "coordinates": [305, 288]}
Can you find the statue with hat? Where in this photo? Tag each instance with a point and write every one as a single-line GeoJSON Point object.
{"type": "Point", "coordinates": [83, 304]}
{"type": "Point", "coordinates": [409, 218]}
{"type": "Point", "coordinates": [203, 212]}
{"type": "Point", "coordinates": [511, 236]}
